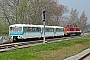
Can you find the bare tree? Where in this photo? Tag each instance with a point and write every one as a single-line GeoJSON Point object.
{"type": "Point", "coordinates": [73, 19]}
{"type": "Point", "coordinates": [64, 21]}
{"type": "Point", "coordinates": [59, 10]}
{"type": "Point", "coordinates": [88, 27]}
{"type": "Point", "coordinates": [83, 21]}
{"type": "Point", "coordinates": [30, 11]}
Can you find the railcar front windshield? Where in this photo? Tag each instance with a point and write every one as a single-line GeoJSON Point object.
{"type": "Point", "coordinates": [15, 29]}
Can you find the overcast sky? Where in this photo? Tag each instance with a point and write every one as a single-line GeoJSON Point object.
{"type": "Point", "coordinates": [80, 5]}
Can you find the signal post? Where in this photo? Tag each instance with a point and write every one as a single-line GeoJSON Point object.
{"type": "Point", "coordinates": [43, 19]}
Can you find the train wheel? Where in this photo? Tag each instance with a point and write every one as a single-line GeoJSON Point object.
{"type": "Point", "coordinates": [15, 39]}
{"type": "Point", "coordinates": [78, 34]}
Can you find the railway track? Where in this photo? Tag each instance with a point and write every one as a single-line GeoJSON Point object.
{"type": "Point", "coordinates": [12, 46]}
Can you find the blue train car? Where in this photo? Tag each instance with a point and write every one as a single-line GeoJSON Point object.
{"type": "Point", "coordinates": [26, 31]}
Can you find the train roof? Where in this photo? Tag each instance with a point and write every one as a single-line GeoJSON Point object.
{"type": "Point", "coordinates": [25, 25]}
{"type": "Point", "coordinates": [28, 25]}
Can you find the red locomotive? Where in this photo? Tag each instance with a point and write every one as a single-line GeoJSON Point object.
{"type": "Point", "coordinates": [72, 30]}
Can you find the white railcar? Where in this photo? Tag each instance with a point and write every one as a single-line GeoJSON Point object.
{"type": "Point", "coordinates": [26, 31]}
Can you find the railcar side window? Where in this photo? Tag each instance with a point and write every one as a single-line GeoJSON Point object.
{"type": "Point", "coordinates": [32, 29]}
{"type": "Point", "coordinates": [19, 29]}
{"type": "Point", "coordinates": [35, 29]}
{"type": "Point", "coordinates": [49, 29]}
{"type": "Point", "coordinates": [15, 29]}
{"type": "Point", "coordinates": [59, 29]}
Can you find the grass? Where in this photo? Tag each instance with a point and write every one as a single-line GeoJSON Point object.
{"type": "Point", "coordinates": [53, 51]}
